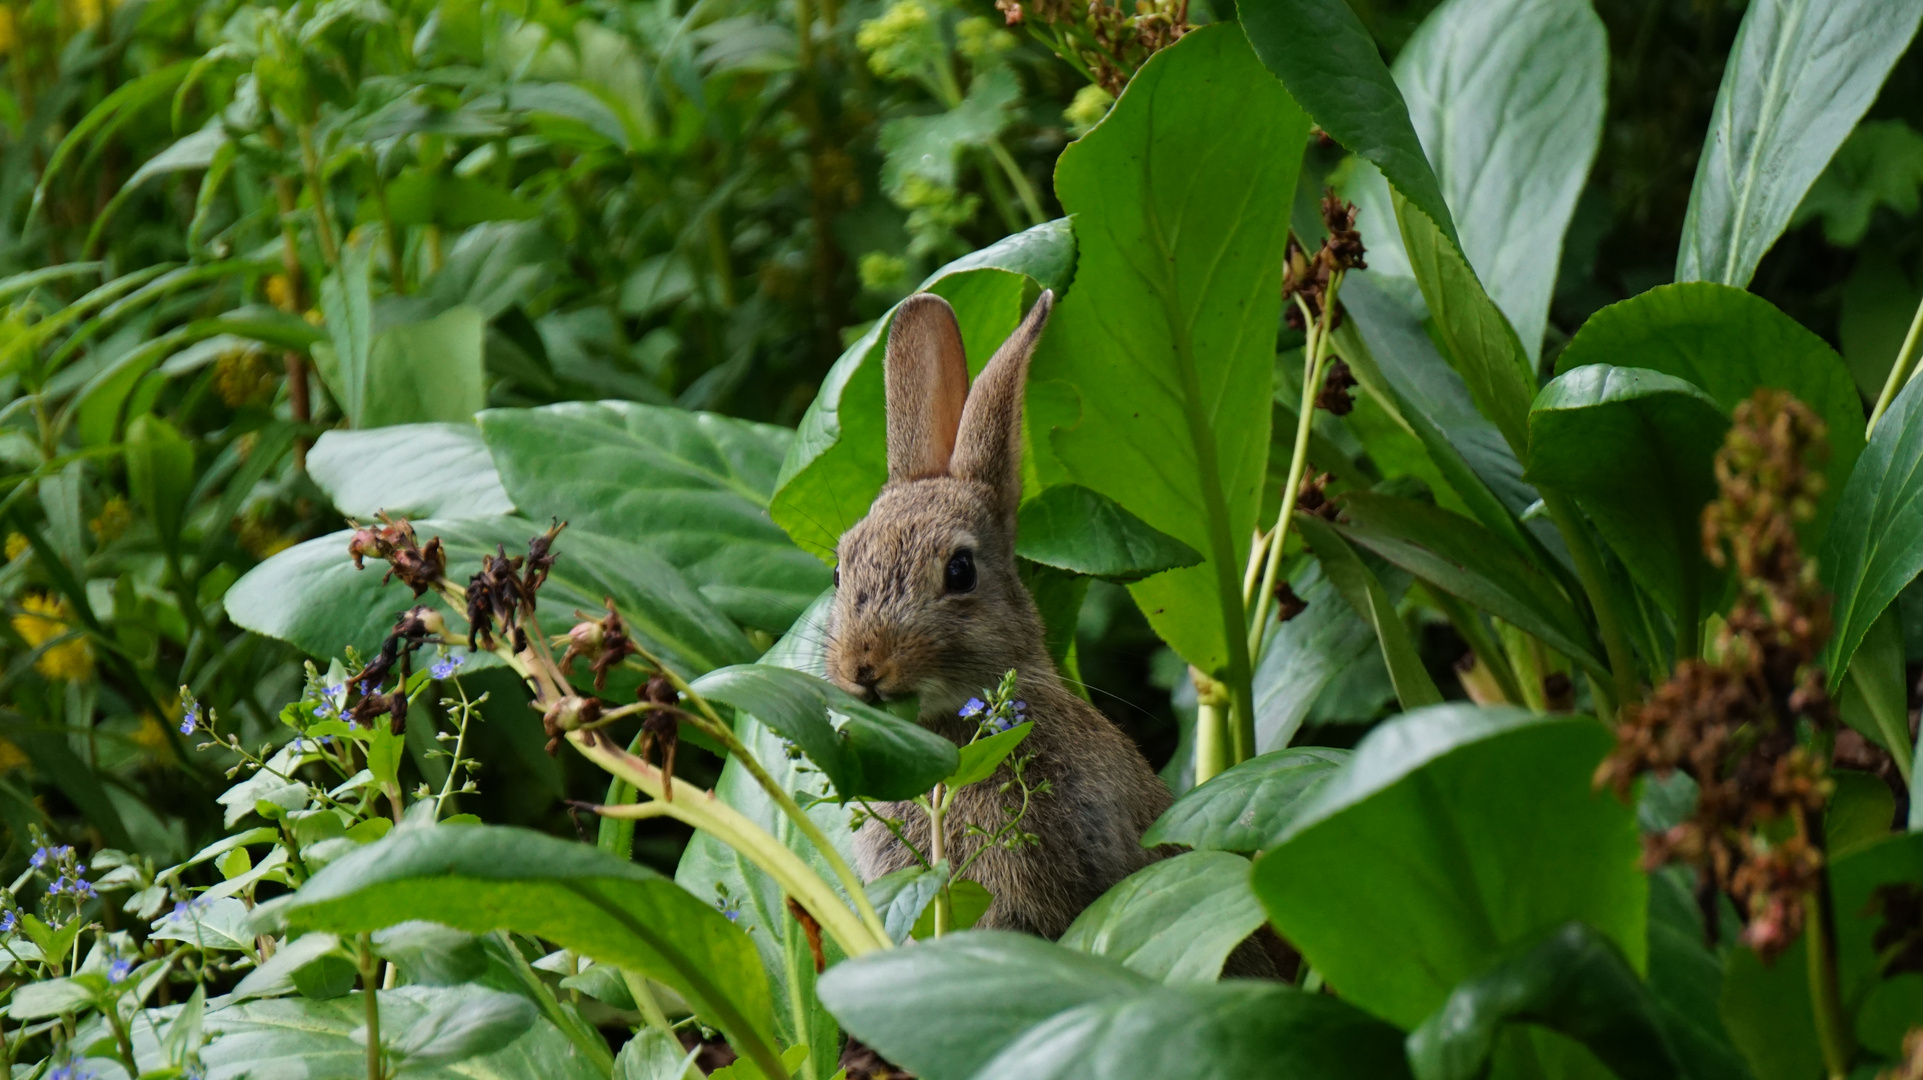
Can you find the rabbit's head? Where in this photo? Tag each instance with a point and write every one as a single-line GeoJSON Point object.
{"type": "Point", "coordinates": [927, 599]}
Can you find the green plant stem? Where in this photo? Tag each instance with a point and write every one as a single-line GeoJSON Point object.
{"type": "Point", "coordinates": [317, 189]}
{"type": "Point", "coordinates": [1024, 190]}
{"type": "Point", "coordinates": [1826, 1001]}
{"type": "Point", "coordinates": [1213, 747]}
{"type": "Point", "coordinates": [699, 809]}
{"type": "Point", "coordinates": [123, 1043]}
{"type": "Point", "coordinates": [1589, 571]}
{"type": "Point", "coordinates": [844, 873]}
{"type": "Point", "coordinates": [937, 851]}
{"type": "Point", "coordinates": [1901, 370]}
{"type": "Point", "coordinates": [1314, 360]}
{"type": "Point", "coordinates": [370, 996]}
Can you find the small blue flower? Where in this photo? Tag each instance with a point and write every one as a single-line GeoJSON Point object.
{"type": "Point", "coordinates": [298, 746]}
{"type": "Point", "coordinates": [9, 922]}
{"type": "Point", "coordinates": [973, 708]}
{"type": "Point", "coordinates": [190, 719]}
{"type": "Point", "coordinates": [119, 970]}
{"type": "Point", "coordinates": [1021, 708]}
{"type": "Point", "coordinates": [40, 857]}
{"type": "Point", "coordinates": [70, 1071]}
{"type": "Point", "coordinates": [333, 700]}
{"type": "Point", "coordinates": [733, 916]}
{"type": "Point", "coordinates": [446, 666]}
{"type": "Point", "coordinates": [1001, 724]}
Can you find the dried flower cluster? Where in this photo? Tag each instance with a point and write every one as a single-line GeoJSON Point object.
{"type": "Point", "coordinates": [1731, 723]}
{"type": "Point", "coordinates": [1336, 384]}
{"type": "Point", "coordinates": [1313, 496]}
{"type": "Point", "coordinates": [419, 568]}
{"type": "Point", "coordinates": [502, 593]}
{"type": "Point", "coordinates": [1110, 41]}
{"type": "Point", "coordinates": [1309, 276]}
{"type": "Point", "coordinates": [604, 641]}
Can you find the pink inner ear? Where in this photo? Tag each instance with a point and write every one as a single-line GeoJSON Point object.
{"type": "Point", "coordinates": [926, 374]}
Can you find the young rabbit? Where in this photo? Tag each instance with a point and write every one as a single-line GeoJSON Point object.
{"type": "Point", "coordinates": [928, 603]}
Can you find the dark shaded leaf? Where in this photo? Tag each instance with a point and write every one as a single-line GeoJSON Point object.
{"type": "Point", "coordinates": [1073, 528]}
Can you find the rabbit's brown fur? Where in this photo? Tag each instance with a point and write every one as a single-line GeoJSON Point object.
{"type": "Point", "coordinates": [954, 483]}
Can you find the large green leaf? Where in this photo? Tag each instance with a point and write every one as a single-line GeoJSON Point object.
{"type": "Point", "coordinates": [1475, 335]}
{"type": "Point", "coordinates": [1175, 920]}
{"type": "Point", "coordinates": [1364, 592]}
{"type": "Point", "coordinates": [1635, 448]}
{"type": "Point", "coordinates": [1452, 834]}
{"type": "Point", "coordinates": [409, 470]}
{"type": "Point", "coordinates": [868, 753]}
{"type": "Point", "coordinates": [1180, 199]}
{"type": "Point", "coordinates": [1729, 342]}
{"type": "Point", "coordinates": [1876, 547]}
{"type": "Point", "coordinates": [1875, 699]}
{"type": "Point", "coordinates": [1576, 982]}
{"type": "Point", "coordinates": [481, 878]}
{"type": "Point", "coordinates": [1797, 80]}
{"type": "Point", "coordinates": [712, 869]}
{"type": "Point", "coordinates": [1072, 528]}
{"type": "Point", "coordinates": [839, 457]}
{"type": "Point", "coordinates": [1324, 55]}
{"type": "Point", "coordinates": [691, 487]}
{"type": "Point", "coordinates": [1304, 655]}
{"type": "Point", "coordinates": [316, 1039]}
{"type": "Point", "coordinates": [1247, 808]}
{"type": "Point", "coordinates": [1013, 1005]}
{"type": "Point", "coordinates": [1461, 558]}
{"type": "Point", "coordinates": [1507, 97]}
{"type": "Point", "coordinates": [311, 595]}
{"type": "Point", "coordinates": [424, 371]}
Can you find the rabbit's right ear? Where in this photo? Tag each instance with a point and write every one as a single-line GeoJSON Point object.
{"type": "Point", "coordinates": [926, 373]}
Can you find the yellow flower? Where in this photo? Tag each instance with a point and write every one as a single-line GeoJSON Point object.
{"type": "Point", "coordinates": [1090, 105]}
{"type": "Point", "coordinates": [243, 376]}
{"type": "Point", "coordinates": [280, 292]}
{"type": "Point", "coordinates": [43, 619]}
{"type": "Point", "coordinates": [112, 522]}
{"type": "Point", "coordinates": [11, 756]}
{"type": "Point", "coordinates": [151, 736]}
{"type": "Point", "coordinates": [17, 546]}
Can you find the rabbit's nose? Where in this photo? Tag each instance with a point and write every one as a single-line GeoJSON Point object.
{"type": "Point", "coordinates": [865, 675]}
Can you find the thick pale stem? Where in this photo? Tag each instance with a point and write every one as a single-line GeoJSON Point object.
{"type": "Point", "coordinates": [371, 997]}
{"type": "Point", "coordinates": [701, 810]}
{"type": "Point", "coordinates": [1212, 744]}
{"type": "Point", "coordinates": [1900, 371]}
{"type": "Point", "coordinates": [937, 851]}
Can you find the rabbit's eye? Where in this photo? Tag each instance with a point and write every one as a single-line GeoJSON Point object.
{"type": "Point", "coordinates": [961, 571]}
{"type": "Point", "coordinates": [837, 577]}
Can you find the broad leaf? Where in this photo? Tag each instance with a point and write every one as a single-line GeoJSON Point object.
{"type": "Point", "coordinates": [714, 871]}
{"type": "Point", "coordinates": [1178, 282]}
{"type": "Point", "coordinates": [691, 487]}
{"type": "Point", "coordinates": [311, 595]}
{"type": "Point", "coordinates": [1175, 920]}
{"type": "Point", "coordinates": [1461, 558]}
{"type": "Point", "coordinates": [425, 371]}
{"type": "Point", "coordinates": [902, 896]}
{"type": "Point", "coordinates": [981, 758]}
{"type": "Point", "coordinates": [1304, 655]}
{"type": "Point", "coordinates": [1507, 97]}
{"type": "Point", "coordinates": [1364, 593]}
{"type": "Point", "coordinates": [1332, 67]}
{"type": "Point", "coordinates": [838, 459]}
{"type": "Point", "coordinates": [988, 986]}
{"type": "Point", "coordinates": [1072, 528]}
{"type": "Point", "coordinates": [1575, 982]}
{"type": "Point", "coordinates": [481, 878]}
{"type": "Point", "coordinates": [862, 750]}
{"type": "Point", "coordinates": [409, 470]}
{"type": "Point", "coordinates": [1247, 808]}
{"type": "Point", "coordinates": [1013, 1005]}
{"type": "Point", "coordinates": [316, 1039]}
{"type": "Point", "coordinates": [1876, 547]}
{"type": "Point", "coordinates": [1797, 80]}
{"type": "Point", "coordinates": [1875, 699]}
{"type": "Point", "coordinates": [1635, 448]}
{"type": "Point", "coordinates": [1729, 342]}
{"type": "Point", "coordinates": [1451, 834]}
{"type": "Point", "coordinates": [454, 1031]}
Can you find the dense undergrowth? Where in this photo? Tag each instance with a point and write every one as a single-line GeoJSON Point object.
{"type": "Point", "coordinates": [1473, 453]}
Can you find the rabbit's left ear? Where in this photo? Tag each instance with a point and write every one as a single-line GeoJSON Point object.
{"type": "Point", "coordinates": [989, 448]}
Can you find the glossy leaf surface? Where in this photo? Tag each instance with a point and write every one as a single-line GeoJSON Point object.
{"type": "Point", "coordinates": [1247, 808]}
{"type": "Point", "coordinates": [1175, 920]}
{"type": "Point", "coordinates": [1877, 546]}
{"type": "Point", "coordinates": [1072, 528]}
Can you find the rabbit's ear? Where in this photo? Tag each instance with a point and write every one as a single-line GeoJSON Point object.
{"type": "Point", "coordinates": [989, 450]}
{"type": "Point", "coordinates": [926, 373]}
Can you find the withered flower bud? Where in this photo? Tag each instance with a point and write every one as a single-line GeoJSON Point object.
{"type": "Point", "coordinates": [480, 613]}
{"type": "Point", "coordinates": [540, 556]}
{"type": "Point", "coordinates": [1336, 383]}
{"type": "Point", "coordinates": [1287, 604]}
{"type": "Point", "coordinates": [365, 542]}
{"type": "Point", "coordinates": [1343, 249]}
{"type": "Point", "coordinates": [1312, 497]}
